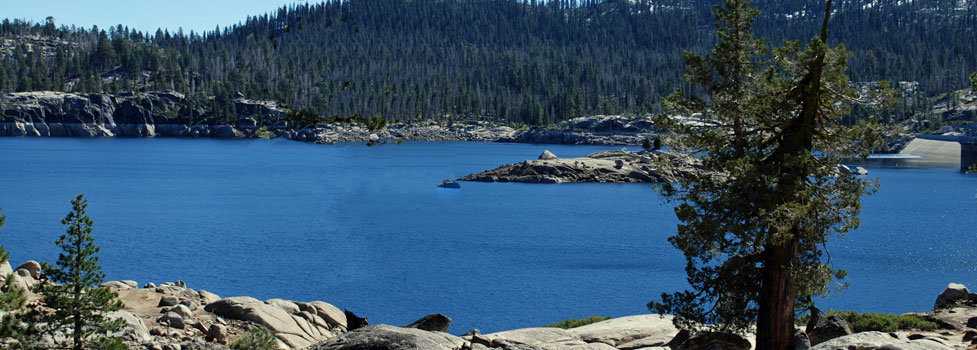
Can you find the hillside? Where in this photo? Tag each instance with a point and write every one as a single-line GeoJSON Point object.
{"type": "Point", "coordinates": [509, 61]}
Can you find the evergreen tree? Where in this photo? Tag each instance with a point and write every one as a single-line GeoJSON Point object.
{"type": "Point", "coordinates": [78, 304]}
{"type": "Point", "coordinates": [754, 231]}
{"type": "Point", "coordinates": [12, 300]}
{"type": "Point", "coordinates": [973, 82]}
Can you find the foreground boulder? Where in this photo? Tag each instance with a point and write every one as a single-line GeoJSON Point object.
{"type": "Point", "coordinates": [298, 325]}
{"type": "Point", "coordinates": [544, 338]}
{"type": "Point", "coordinates": [828, 328]}
{"type": "Point", "coordinates": [385, 337]}
{"type": "Point", "coordinates": [881, 340]}
{"type": "Point", "coordinates": [631, 332]}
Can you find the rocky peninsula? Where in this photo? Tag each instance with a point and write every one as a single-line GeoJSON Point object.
{"type": "Point", "coordinates": [172, 114]}
{"type": "Point", "coordinates": [609, 166]}
{"type": "Point", "coordinates": [172, 316]}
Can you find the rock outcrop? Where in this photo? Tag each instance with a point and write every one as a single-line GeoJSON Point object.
{"type": "Point", "coordinates": [297, 324]}
{"type": "Point", "coordinates": [173, 316]}
{"type": "Point", "coordinates": [954, 294]}
{"type": "Point", "coordinates": [609, 166]}
{"type": "Point", "coordinates": [882, 340]}
{"type": "Point", "coordinates": [385, 337]}
{"type": "Point", "coordinates": [49, 113]}
{"type": "Point", "coordinates": [631, 332]}
{"type": "Point", "coordinates": [171, 114]}
{"type": "Point", "coordinates": [828, 328]}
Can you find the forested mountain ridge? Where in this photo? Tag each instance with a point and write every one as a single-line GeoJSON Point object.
{"type": "Point", "coordinates": [509, 61]}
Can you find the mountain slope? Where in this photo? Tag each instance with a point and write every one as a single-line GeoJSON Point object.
{"type": "Point", "coordinates": [503, 60]}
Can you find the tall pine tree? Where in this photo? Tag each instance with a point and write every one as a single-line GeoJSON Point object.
{"type": "Point", "coordinates": [754, 232]}
{"type": "Point", "coordinates": [78, 304]}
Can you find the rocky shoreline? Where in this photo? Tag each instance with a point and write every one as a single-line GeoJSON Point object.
{"type": "Point", "coordinates": [609, 166]}
{"type": "Point", "coordinates": [172, 114]}
{"type": "Point", "coordinates": [172, 316]}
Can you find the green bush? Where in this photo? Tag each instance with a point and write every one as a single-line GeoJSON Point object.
{"type": "Point", "coordinates": [574, 323]}
{"type": "Point", "coordinates": [257, 338]}
{"type": "Point", "coordinates": [263, 132]}
{"type": "Point", "coordinates": [105, 343]}
{"type": "Point", "coordinates": [865, 322]}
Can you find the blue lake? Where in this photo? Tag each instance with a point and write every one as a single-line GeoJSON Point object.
{"type": "Point", "coordinates": [365, 228]}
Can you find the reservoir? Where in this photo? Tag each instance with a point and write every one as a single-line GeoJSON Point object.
{"type": "Point", "coordinates": [367, 229]}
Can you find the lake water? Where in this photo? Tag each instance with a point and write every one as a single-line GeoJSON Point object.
{"type": "Point", "coordinates": [365, 228]}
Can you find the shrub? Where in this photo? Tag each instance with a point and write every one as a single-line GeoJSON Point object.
{"type": "Point", "coordinates": [865, 322]}
{"type": "Point", "coordinates": [574, 323]}
{"type": "Point", "coordinates": [257, 338]}
{"type": "Point", "coordinates": [263, 132]}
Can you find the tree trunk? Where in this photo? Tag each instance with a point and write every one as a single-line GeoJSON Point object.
{"type": "Point", "coordinates": [775, 321]}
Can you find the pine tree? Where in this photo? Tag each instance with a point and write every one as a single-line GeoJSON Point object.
{"type": "Point", "coordinates": [754, 231]}
{"type": "Point", "coordinates": [973, 82]}
{"type": "Point", "coordinates": [12, 300]}
{"type": "Point", "coordinates": [78, 304]}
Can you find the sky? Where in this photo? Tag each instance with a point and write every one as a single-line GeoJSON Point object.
{"type": "Point", "coordinates": [146, 16]}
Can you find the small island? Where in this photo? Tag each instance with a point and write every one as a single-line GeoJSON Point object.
{"type": "Point", "coordinates": [609, 166]}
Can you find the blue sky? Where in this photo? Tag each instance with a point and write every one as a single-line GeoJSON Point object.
{"type": "Point", "coordinates": [198, 15]}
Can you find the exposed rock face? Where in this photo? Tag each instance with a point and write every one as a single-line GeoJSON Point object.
{"type": "Point", "coordinates": [32, 267]}
{"type": "Point", "coordinates": [631, 332]}
{"type": "Point", "coordinates": [50, 113]}
{"type": "Point", "coordinates": [170, 114]}
{"type": "Point", "coordinates": [880, 340]}
{"type": "Point", "coordinates": [610, 166]}
{"type": "Point", "coordinates": [432, 322]}
{"type": "Point", "coordinates": [384, 337]}
{"type": "Point", "coordinates": [297, 324]}
{"type": "Point", "coordinates": [595, 130]}
{"type": "Point", "coordinates": [537, 338]}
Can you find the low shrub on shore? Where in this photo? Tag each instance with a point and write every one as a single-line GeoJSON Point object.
{"type": "Point", "coordinates": [869, 321]}
{"type": "Point", "coordinates": [574, 323]}
{"type": "Point", "coordinates": [257, 338]}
